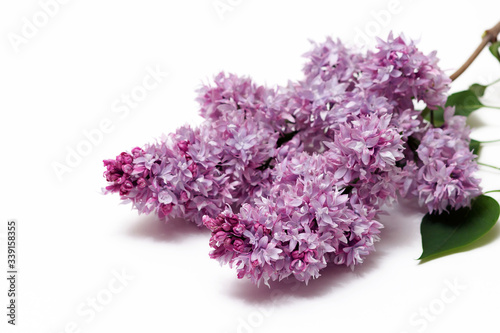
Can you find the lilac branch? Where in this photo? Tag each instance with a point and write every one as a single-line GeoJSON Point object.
{"type": "Point", "coordinates": [489, 36]}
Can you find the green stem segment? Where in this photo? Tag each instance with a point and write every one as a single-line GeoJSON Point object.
{"type": "Point", "coordinates": [490, 141]}
{"type": "Point", "coordinates": [489, 166]}
{"type": "Point", "coordinates": [492, 83]}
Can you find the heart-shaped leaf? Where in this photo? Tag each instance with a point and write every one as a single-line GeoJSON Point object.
{"type": "Point", "coordinates": [494, 49]}
{"type": "Point", "coordinates": [465, 102]}
{"type": "Point", "coordinates": [448, 231]}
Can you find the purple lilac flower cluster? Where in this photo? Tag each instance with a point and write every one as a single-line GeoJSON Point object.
{"type": "Point", "coordinates": [226, 160]}
{"type": "Point", "coordinates": [305, 221]}
{"type": "Point", "coordinates": [442, 176]}
{"type": "Point", "coordinates": [293, 178]}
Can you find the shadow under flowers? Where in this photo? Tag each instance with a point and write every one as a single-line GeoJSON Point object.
{"type": "Point", "coordinates": [401, 229]}
{"type": "Point", "coordinates": [332, 277]}
{"type": "Point", "coordinates": [174, 230]}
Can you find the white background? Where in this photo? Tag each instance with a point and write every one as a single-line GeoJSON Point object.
{"type": "Point", "coordinates": [65, 79]}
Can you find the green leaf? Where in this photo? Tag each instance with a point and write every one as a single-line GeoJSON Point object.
{"type": "Point", "coordinates": [478, 89]}
{"type": "Point", "coordinates": [465, 102]}
{"type": "Point", "coordinates": [494, 47]}
{"type": "Point", "coordinates": [475, 146]}
{"type": "Point", "coordinates": [438, 116]}
{"type": "Point", "coordinates": [449, 231]}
